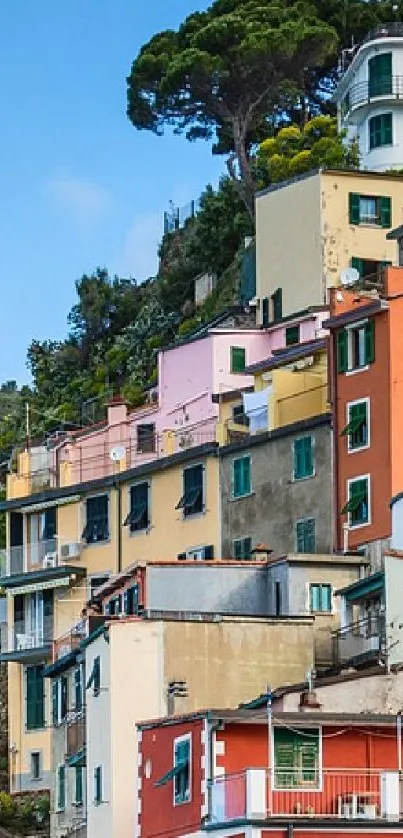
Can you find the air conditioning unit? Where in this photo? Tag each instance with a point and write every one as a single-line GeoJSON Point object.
{"type": "Point", "coordinates": [49, 560]}
{"type": "Point", "coordinates": [72, 550]}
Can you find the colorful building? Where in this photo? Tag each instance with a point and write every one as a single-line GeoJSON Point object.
{"type": "Point", "coordinates": [311, 229]}
{"type": "Point", "coordinates": [367, 387]}
{"type": "Point", "coordinates": [267, 773]}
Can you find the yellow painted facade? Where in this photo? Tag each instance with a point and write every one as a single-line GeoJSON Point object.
{"type": "Point", "coordinates": [304, 239]}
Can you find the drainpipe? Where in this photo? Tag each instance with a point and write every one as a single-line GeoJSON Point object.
{"type": "Point", "coordinates": [399, 740]}
{"type": "Point", "coordinates": [119, 527]}
{"type": "Point", "coordinates": [212, 729]}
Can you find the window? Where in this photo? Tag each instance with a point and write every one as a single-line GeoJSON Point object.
{"type": "Point", "coordinates": [356, 347]}
{"type": "Point", "coordinates": [303, 457]}
{"type": "Point", "coordinates": [296, 758]}
{"type": "Point", "coordinates": [146, 439]}
{"type": "Point", "coordinates": [242, 548]}
{"type": "Point", "coordinates": [305, 535]}
{"type": "Point", "coordinates": [369, 269]}
{"type": "Point", "coordinates": [192, 500]}
{"type": "Point", "coordinates": [278, 599]}
{"type": "Point", "coordinates": [291, 335]}
{"type": "Point", "coordinates": [59, 700]}
{"type": "Point", "coordinates": [380, 75]}
{"type": "Point", "coordinates": [239, 416]}
{"type": "Point", "coordinates": [78, 688]}
{"type": "Point", "coordinates": [241, 477]}
{"type": "Point", "coordinates": [139, 516]}
{"type": "Point", "coordinates": [277, 302]}
{"type": "Point", "coordinates": [380, 130]}
{"type": "Point", "coordinates": [265, 311]}
{"type": "Point", "coordinates": [96, 528]}
{"type": "Point", "coordinates": [94, 680]}
{"type": "Point", "coordinates": [370, 209]}
{"type": "Point", "coordinates": [182, 770]}
{"type": "Point", "coordinates": [357, 428]}
{"type": "Point", "coordinates": [78, 785]}
{"type": "Point", "coordinates": [35, 697]}
{"type": "Point", "coordinates": [61, 788]}
{"type": "Point", "coordinates": [98, 784]}
{"type": "Point", "coordinates": [320, 598]}
{"type": "Point", "coordinates": [36, 773]}
{"type": "Point", "coordinates": [358, 503]}
{"type": "Point", "coordinates": [238, 359]}
{"type": "Point", "coordinates": [95, 583]}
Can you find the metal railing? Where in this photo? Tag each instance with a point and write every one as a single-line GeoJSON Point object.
{"type": "Point", "coordinates": [363, 638]}
{"type": "Point", "coordinates": [40, 555]}
{"type": "Point", "coordinates": [366, 91]}
{"type": "Point", "coordinates": [22, 636]}
{"type": "Point", "coordinates": [394, 29]}
{"type": "Point", "coordinates": [75, 734]}
{"type": "Point", "coordinates": [348, 794]}
{"type": "Point", "coordinates": [69, 641]}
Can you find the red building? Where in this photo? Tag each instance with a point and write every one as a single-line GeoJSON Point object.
{"type": "Point", "coordinates": [278, 774]}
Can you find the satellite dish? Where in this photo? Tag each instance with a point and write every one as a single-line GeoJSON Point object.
{"type": "Point", "coordinates": [349, 277]}
{"type": "Point", "coordinates": [117, 453]}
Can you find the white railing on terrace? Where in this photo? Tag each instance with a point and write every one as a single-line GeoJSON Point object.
{"type": "Point", "coordinates": [40, 555]}
{"type": "Point", "coordinates": [348, 794]}
{"type": "Point", "coordinates": [22, 637]}
{"type": "Point", "coordinates": [364, 638]}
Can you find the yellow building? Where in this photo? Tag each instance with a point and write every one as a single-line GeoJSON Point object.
{"type": "Point", "coordinates": [312, 228]}
{"type": "Point", "coordinates": [64, 543]}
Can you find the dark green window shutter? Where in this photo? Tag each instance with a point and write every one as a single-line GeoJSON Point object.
{"type": "Point", "coordinates": [277, 299]}
{"type": "Point", "coordinates": [380, 75]}
{"type": "Point", "coordinates": [265, 311]}
{"type": "Point", "coordinates": [296, 757]}
{"type": "Point", "coordinates": [238, 359]}
{"type": "Point", "coordinates": [241, 477]}
{"type": "Point", "coordinates": [385, 211]}
{"type": "Point", "coordinates": [78, 688]}
{"type": "Point", "coordinates": [98, 784]}
{"type": "Point", "coordinates": [291, 335]}
{"type": "Point", "coordinates": [35, 699]}
{"type": "Point", "coordinates": [358, 264]}
{"type": "Point", "coordinates": [303, 457]}
{"type": "Point", "coordinates": [61, 788]}
{"type": "Point", "coordinates": [342, 351]}
{"type": "Point", "coordinates": [63, 697]}
{"type": "Point", "coordinates": [370, 341]}
{"type": "Point", "coordinates": [55, 702]}
{"type": "Point", "coordinates": [78, 785]}
{"type": "Point", "coordinates": [354, 207]}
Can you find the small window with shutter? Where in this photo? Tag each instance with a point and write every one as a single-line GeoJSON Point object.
{"type": "Point", "coordinates": [296, 758]}
{"type": "Point", "coordinates": [375, 210]}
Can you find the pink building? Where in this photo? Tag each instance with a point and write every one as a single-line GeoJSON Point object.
{"type": "Point", "coordinates": [184, 409]}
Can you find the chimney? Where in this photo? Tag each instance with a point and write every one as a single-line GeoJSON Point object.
{"type": "Point", "coordinates": [308, 699]}
{"type": "Point", "coordinates": [117, 411]}
{"type": "Point", "coordinates": [261, 552]}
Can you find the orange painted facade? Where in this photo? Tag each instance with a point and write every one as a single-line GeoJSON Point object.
{"type": "Point", "coordinates": [381, 383]}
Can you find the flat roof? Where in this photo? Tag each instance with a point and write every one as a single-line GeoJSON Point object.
{"type": "Point", "coordinates": [259, 716]}
{"type": "Point", "coordinates": [359, 173]}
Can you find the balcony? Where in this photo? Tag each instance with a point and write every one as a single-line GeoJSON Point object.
{"type": "Point", "coordinates": [24, 643]}
{"type": "Point", "coordinates": [387, 89]}
{"type": "Point", "coordinates": [76, 739]}
{"type": "Point", "coordinates": [38, 556]}
{"type": "Point", "coordinates": [347, 794]}
{"type": "Point", "coordinates": [359, 642]}
{"type": "Point", "coordinates": [68, 642]}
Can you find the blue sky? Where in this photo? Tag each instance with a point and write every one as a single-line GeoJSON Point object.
{"type": "Point", "coordinates": [80, 187]}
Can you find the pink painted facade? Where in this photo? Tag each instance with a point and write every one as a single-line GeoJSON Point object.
{"type": "Point", "coordinates": [184, 414]}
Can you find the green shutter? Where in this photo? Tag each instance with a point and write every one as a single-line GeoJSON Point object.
{"type": "Point", "coordinates": [296, 757]}
{"type": "Point", "coordinates": [370, 341]}
{"type": "Point", "coordinates": [326, 598]}
{"type": "Point", "coordinates": [78, 690]}
{"type": "Point", "coordinates": [303, 457]}
{"type": "Point", "coordinates": [380, 75]}
{"type": "Point", "coordinates": [35, 710]}
{"type": "Point", "coordinates": [342, 351]}
{"type": "Point", "coordinates": [277, 299]}
{"type": "Point", "coordinates": [98, 784]}
{"type": "Point", "coordinates": [354, 207]}
{"type": "Point", "coordinates": [61, 787]}
{"type": "Point", "coordinates": [265, 311]}
{"type": "Point", "coordinates": [358, 264]}
{"type": "Point", "coordinates": [291, 335]}
{"type": "Point", "coordinates": [385, 211]}
{"type": "Point", "coordinates": [238, 359]}
{"type": "Point", "coordinates": [241, 477]}
{"type": "Point", "coordinates": [246, 475]}
{"type": "Point", "coordinates": [315, 598]}
{"type": "Point", "coordinates": [78, 785]}
{"type": "Point", "coordinates": [55, 702]}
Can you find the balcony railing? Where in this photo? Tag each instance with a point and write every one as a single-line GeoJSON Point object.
{"type": "Point", "coordinates": [41, 555]}
{"type": "Point", "coordinates": [348, 794]}
{"type": "Point", "coordinates": [385, 30]}
{"type": "Point", "coordinates": [69, 641]}
{"type": "Point", "coordinates": [75, 738]}
{"type": "Point", "coordinates": [24, 638]}
{"type": "Point", "coordinates": [360, 640]}
{"type": "Point", "coordinates": [387, 87]}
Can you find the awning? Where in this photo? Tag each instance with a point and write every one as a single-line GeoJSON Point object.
{"type": "Point", "coordinates": [38, 507]}
{"type": "Point", "coordinates": [64, 582]}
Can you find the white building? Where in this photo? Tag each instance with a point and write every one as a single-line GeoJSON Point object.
{"type": "Point", "coordinates": [370, 98]}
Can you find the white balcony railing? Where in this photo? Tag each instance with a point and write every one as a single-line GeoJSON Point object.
{"type": "Point", "coordinates": [21, 637]}
{"type": "Point", "coordinates": [40, 555]}
{"type": "Point", "coordinates": [347, 794]}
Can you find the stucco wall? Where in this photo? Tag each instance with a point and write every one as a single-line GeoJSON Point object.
{"type": "Point", "coordinates": [208, 588]}
{"type": "Point", "coordinates": [277, 502]}
{"type": "Point", "coordinates": [289, 245]}
{"type": "Point", "coordinates": [381, 693]}
{"type": "Point", "coordinates": [24, 741]}
{"type": "Point", "coordinates": [99, 740]}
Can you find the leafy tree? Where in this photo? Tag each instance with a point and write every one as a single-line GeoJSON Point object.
{"type": "Point", "coordinates": [224, 71]}
{"type": "Point", "coordinates": [293, 151]}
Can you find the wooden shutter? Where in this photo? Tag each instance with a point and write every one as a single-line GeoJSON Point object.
{"type": "Point", "coordinates": [35, 697]}
{"type": "Point", "coordinates": [342, 351]}
{"type": "Point", "coordinates": [61, 790]}
{"type": "Point", "coordinates": [385, 211]}
{"type": "Point", "coordinates": [246, 484]}
{"type": "Point", "coordinates": [354, 207]}
{"type": "Point", "coordinates": [78, 785]}
{"type": "Point", "coordinates": [55, 702]}
{"type": "Point", "coordinates": [237, 478]}
{"type": "Point", "coordinates": [370, 342]}
{"type": "Point", "coordinates": [265, 311]}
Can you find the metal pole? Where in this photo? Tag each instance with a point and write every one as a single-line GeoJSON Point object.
{"type": "Point", "coordinates": [399, 741]}
{"type": "Point", "coordinates": [269, 750]}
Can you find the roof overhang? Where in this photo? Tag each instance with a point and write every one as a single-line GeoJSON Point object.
{"type": "Point", "coordinates": [41, 580]}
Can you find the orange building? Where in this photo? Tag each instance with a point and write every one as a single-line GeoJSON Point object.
{"type": "Point", "coordinates": [238, 773]}
{"type": "Point", "coordinates": [366, 375]}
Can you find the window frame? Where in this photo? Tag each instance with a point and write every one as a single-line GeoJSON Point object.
{"type": "Point", "coordinates": [186, 737]}
{"type": "Point", "coordinates": [304, 786]}
{"type": "Point", "coordinates": [78, 771]}
{"type": "Point", "coordinates": [241, 540]}
{"type": "Point", "coordinates": [353, 449]}
{"type": "Point", "coordinates": [382, 217]}
{"type": "Point", "coordinates": [368, 326]}
{"type": "Point", "coordinates": [321, 586]}
{"type": "Point", "coordinates": [296, 329]}
{"type": "Point", "coordinates": [350, 481]}
{"type": "Point", "coordinates": [41, 725]}
{"type": "Point", "coordinates": [37, 754]}
{"type": "Point", "coordinates": [298, 477]}
{"type": "Point", "coordinates": [243, 494]}
{"type": "Point", "coordinates": [377, 129]}
{"type": "Point", "coordinates": [136, 529]}
{"type": "Point", "coordinates": [305, 521]}
{"type": "Point", "coordinates": [235, 367]}
{"type": "Point", "coordinates": [84, 536]}
{"type": "Point", "coordinates": [147, 445]}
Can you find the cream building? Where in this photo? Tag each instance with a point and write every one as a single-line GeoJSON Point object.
{"type": "Point", "coordinates": [311, 229]}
